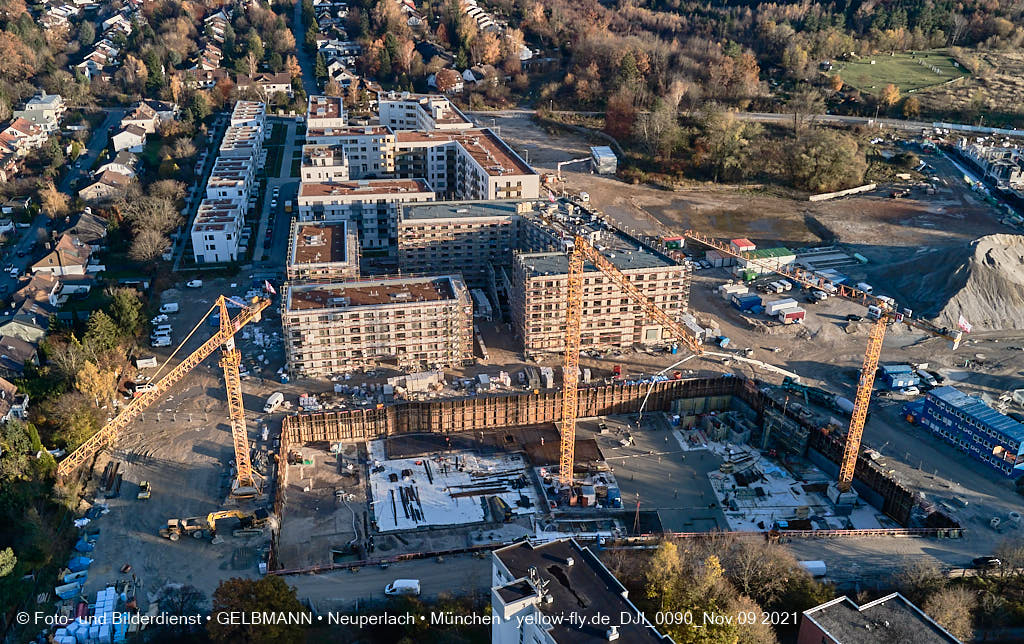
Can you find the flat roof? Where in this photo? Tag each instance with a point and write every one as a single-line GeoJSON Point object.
{"type": "Point", "coordinates": [977, 409]}
{"type": "Point", "coordinates": [486, 148]}
{"type": "Point", "coordinates": [319, 243]}
{"type": "Point", "coordinates": [390, 291]}
{"type": "Point", "coordinates": [624, 253]}
{"type": "Point", "coordinates": [334, 151]}
{"type": "Point", "coordinates": [460, 209]}
{"type": "Point", "coordinates": [349, 130]}
{"type": "Point", "coordinates": [586, 588]}
{"type": "Point", "coordinates": [324, 107]}
{"type": "Point", "coordinates": [888, 619]}
{"type": "Point", "coordinates": [363, 187]}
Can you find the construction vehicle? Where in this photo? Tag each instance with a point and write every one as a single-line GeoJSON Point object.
{"type": "Point", "coordinates": [819, 396]}
{"type": "Point", "coordinates": [145, 491]}
{"type": "Point", "coordinates": [886, 310]}
{"type": "Point", "coordinates": [244, 485]}
{"type": "Point", "coordinates": [202, 527]}
{"type": "Point", "coordinates": [583, 251]}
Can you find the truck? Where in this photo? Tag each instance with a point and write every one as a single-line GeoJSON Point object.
{"type": "Point", "coordinates": [403, 587]}
{"type": "Point", "coordinates": [819, 396]}
{"type": "Point", "coordinates": [273, 402]}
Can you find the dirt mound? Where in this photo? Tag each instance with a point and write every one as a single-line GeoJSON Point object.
{"type": "Point", "coordinates": [983, 281]}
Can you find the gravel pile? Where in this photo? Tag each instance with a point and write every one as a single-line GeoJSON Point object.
{"type": "Point", "coordinates": [983, 281]}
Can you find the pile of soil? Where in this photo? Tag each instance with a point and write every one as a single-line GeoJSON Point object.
{"type": "Point", "coordinates": [983, 281]}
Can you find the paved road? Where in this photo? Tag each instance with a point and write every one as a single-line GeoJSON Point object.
{"type": "Point", "coordinates": [761, 117]}
{"type": "Point", "coordinates": [97, 143]}
{"type": "Point", "coordinates": [306, 60]}
{"type": "Point", "coordinates": [341, 589]}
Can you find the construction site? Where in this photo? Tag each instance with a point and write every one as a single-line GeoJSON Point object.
{"type": "Point", "coordinates": [602, 383]}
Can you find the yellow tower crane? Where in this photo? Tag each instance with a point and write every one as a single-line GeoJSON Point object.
{"type": "Point", "coordinates": [886, 314]}
{"type": "Point", "coordinates": [244, 485]}
{"type": "Point", "coordinates": [583, 251]}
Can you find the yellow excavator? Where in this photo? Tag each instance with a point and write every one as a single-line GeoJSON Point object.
{"type": "Point", "coordinates": [202, 527]}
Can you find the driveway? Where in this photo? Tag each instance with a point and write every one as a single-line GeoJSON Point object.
{"type": "Point", "coordinates": [96, 144]}
{"type": "Point", "coordinates": [306, 60]}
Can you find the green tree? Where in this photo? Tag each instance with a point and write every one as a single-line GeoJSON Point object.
{"type": "Point", "coordinates": [102, 333]}
{"type": "Point", "coordinates": [126, 309]}
{"type": "Point", "coordinates": [320, 67]}
{"type": "Point", "coordinates": [825, 160]}
{"type": "Point", "coordinates": [86, 33]}
{"type": "Point", "coordinates": [724, 141]}
{"type": "Point", "coordinates": [198, 108]}
{"type": "Point", "coordinates": [267, 594]}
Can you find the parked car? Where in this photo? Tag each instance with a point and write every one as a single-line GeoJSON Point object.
{"type": "Point", "coordinates": [986, 563]}
{"type": "Point", "coordinates": [194, 283]}
{"type": "Point", "coordinates": [910, 391]}
{"type": "Point", "coordinates": [853, 317]}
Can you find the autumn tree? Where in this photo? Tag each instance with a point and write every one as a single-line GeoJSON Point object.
{"type": "Point", "coordinates": [805, 103]}
{"type": "Point", "coordinates": [266, 594]}
{"type": "Point", "coordinates": [292, 67]}
{"type": "Point", "coordinates": [53, 202]}
{"type": "Point", "coordinates": [890, 95]}
{"type": "Point", "coordinates": [911, 107]}
{"type": "Point", "coordinates": [99, 385]}
{"type": "Point", "coordinates": [332, 88]}
{"type": "Point", "coordinates": [17, 60]}
{"type": "Point", "coordinates": [953, 608]}
{"type": "Point", "coordinates": [825, 160]}
{"type": "Point", "coordinates": [835, 83]}
{"type": "Point", "coordinates": [658, 129]}
{"type": "Point", "coordinates": [619, 115]}
{"type": "Point", "coordinates": [724, 143]}
{"type": "Point", "coordinates": [661, 575]}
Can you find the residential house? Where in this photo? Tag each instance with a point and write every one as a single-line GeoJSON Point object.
{"type": "Point", "coordinates": [131, 138]}
{"type": "Point", "coordinates": [124, 162]}
{"type": "Point", "coordinates": [44, 110]}
{"type": "Point", "coordinates": [203, 78]}
{"type": "Point", "coordinates": [143, 117]}
{"type": "Point", "coordinates": [28, 327]}
{"type": "Point", "coordinates": [25, 135]}
{"type": "Point", "coordinates": [109, 185]}
{"type": "Point", "coordinates": [266, 85]}
{"type": "Point", "coordinates": [15, 355]}
{"type": "Point", "coordinates": [12, 404]}
{"type": "Point", "coordinates": [165, 110]}
{"type": "Point", "coordinates": [89, 229]}
{"type": "Point", "coordinates": [70, 256]}
{"type": "Point", "coordinates": [892, 618]}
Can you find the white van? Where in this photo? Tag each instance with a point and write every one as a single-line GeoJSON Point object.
{"type": "Point", "coordinates": [273, 402]}
{"type": "Point", "coordinates": [163, 327]}
{"type": "Point", "coordinates": [403, 587]}
{"type": "Point", "coordinates": [160, 342]}
{"type": "Point", "coordinates": [170, 307]}
{"type": "Point", "coordinates": [867, 288]}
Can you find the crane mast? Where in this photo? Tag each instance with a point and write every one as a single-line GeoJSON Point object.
{"type": "Point", "coordinates": [231, 359]}
{"type": "Point", "coordinates": [872, 353]}
{"type": "Point", "coordinates": [223, 337]}
{"type": "Point", "coordinates": [583, 251]}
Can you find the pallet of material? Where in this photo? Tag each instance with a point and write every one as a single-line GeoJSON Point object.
{"type": "Point", "coordinates": [493, 490]}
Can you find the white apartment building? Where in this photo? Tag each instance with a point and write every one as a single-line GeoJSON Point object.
{"type": "Point", "coordinates": [324, 112]}
{"type": "Point", "coordinates": [424, 112]}
{"type": "Point", "coordinates": [231, 179]}
{"type": "Point", "coordinates": [216, 231]}
{"type": "Point", "coordinates": [252, 113]}
{"type": "Point", "coordinates": [324, 164]}
{"type": "Point", "coordinates": [370, 149]}
{"type": "Point", "coordinates": [467, 164]}
{"type": "Point", "coordinates": [371, 205]}
{"type": "Point", "coordinates": [242, 142]}
{"type": "Point", "coordinates": [413, 323]}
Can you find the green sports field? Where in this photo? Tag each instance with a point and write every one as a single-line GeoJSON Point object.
{"type": "Point", "coordinates": [902, 69]}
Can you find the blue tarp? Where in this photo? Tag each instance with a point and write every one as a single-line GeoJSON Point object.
{"type": "Point", "coordinates": [77, 564]}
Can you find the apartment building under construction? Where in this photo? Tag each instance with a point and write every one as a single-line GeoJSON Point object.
{"type": "Point", "coordinates": [410, 323]}
{"type": "Point", "coordinates": [322, 251]}
{"type": "Point", "coordinates": [470, 237]}
{"type": "Point", "coordinates": [611, 320]}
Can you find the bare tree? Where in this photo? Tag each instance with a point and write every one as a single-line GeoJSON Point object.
{"type": "Point", "coordinates": [919, 580]}
{"type": "Point", "coordinates": [953, 608]}
{"type": "Point", "coordinates": [148, 245]}
{"type": "Point", "coordinates": [805, 103]}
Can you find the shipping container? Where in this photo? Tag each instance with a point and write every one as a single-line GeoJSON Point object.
{"type": "Point", "coordinates": [773, 307]}
{"type": "Point", "coordinates": [790, 316]}
{"type": "Point", "coordinates": [746, 302]}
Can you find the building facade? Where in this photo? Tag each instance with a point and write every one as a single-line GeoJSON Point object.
{"type": "Point", "coordinates": [611, 320]}
{"type": "Point", "coordinates": [469, 237]}
{"type": "Point", "coordinates": [370, 204]}
{"type": "Point", "coordinates": [324, 164]}
{"type": "Point", "coordinates": [217, 231]}
{"type": "Point", "coordinates": [976, 429]}
{"type": "Point", "coordinates": [322, 251]}
{"type": "Point", "coordinates": [412, 323]}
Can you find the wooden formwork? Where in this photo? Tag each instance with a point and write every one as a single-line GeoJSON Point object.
{"type": "Point", "coordinates": [502, 410]}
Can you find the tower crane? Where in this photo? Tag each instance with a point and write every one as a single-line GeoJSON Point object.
{"type": "Point", "coordinates": [244, 485]}
{"type": "Point", "coordinates": [583, 251]}
{"type": "Point", "coordinates": [886, 314]}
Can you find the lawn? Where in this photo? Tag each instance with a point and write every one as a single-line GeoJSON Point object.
{"type": "Point", "coordinates": [905, 70]}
